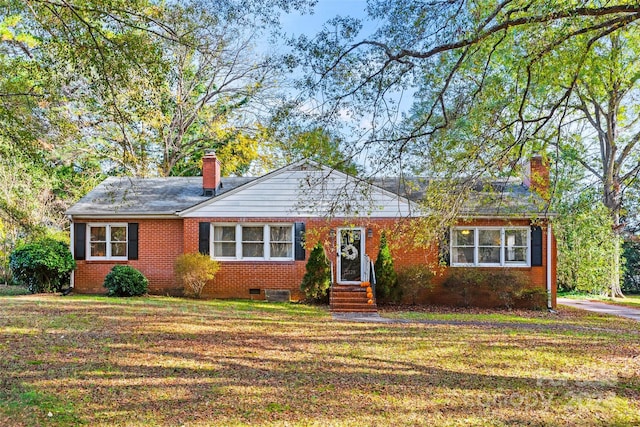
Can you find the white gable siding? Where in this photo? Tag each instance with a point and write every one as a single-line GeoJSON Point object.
{"type": "Point", "coordinates": [304, 193]}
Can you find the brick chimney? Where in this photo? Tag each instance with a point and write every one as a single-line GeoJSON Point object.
{"type": "Point", "coordinates": [210, 174]}
{"type": "Point", "coordinates": [537, 176]}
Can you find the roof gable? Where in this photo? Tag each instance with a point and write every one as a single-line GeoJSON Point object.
{"type": "Point", "coordinates": [304, 189]}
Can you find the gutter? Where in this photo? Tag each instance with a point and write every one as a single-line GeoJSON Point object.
{"type": "Point", "coordinates": [115, 216]}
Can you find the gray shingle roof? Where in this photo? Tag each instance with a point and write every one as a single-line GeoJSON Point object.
{"type": "Point", "coordinates": [495, 198]}
{"type": "Point", "coordinates": [147, 196]}
{"type": "Point", "coordinates": [123, 196]}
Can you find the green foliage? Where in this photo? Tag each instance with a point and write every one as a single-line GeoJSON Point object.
{"type": "Point", "coordinates": [386, 277]}
{"type": "Point", "coordinates": [125, 281]}
{"type": "Point", "coordinates": [320, 145]}
{"type": "Point", "coordinates": [415, 279]}
{"type": "Point", "coordinates": [478, 287]}
{"type": "Point", "coordinates": [44, 265]}
{"type": "Point", "coordinates": [317, 279]}
{"type": "Point", "coordinates": [586, 246]}
{"type": "Point", "coordinates": [12, 290]}
{"type": "Point", "coordinates": [193, 271]}
{"type": "Point", "coordinates": [631, 255]}
{"type": "Point", "coordinates": [5, 251]}
{"type": "Point", "coordinates": [133, 87]}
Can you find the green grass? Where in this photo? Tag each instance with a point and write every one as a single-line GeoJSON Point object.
{"type": "Point", "coordinates": [167, 361]}
{"type": "Point", "coordinates": [6, 290]}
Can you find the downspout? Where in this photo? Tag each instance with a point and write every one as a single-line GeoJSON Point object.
{"type": "Point", "coordinates": [73, 251]}
{"type": "Point", "coordinates": [549, 244]}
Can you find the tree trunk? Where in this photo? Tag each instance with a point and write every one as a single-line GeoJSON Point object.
{"type": "Point", "coordinates": [616, 289]}
{"type": "Point", "coordinates": [612, 201]}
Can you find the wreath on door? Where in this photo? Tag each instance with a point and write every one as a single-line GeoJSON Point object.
{"type": "Point", "coordinates": [350, 252]}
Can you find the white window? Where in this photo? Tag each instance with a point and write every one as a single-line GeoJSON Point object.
{"type": "Point", "coordinates": [490, 246]}
{"type": "Point", "coordinates": [107, 241]}
{"type": "Point", "coordinates": [224, 241]}
{"type": "Point", "coordinates": [281, 241]}
{"type": "Point", "coordinates": [252, 242]}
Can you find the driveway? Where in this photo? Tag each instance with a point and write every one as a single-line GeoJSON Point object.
{"type": "Point", "coordinates": [600, 307]}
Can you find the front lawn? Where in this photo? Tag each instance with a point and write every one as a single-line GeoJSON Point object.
{"type": "Point", "coordinates": [162, 361]}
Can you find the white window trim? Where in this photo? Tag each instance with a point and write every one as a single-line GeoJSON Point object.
{"type": "Point", "coordinates": [108, 226]}
{"type": "Point", "coordinates": [476, 246]}
{"type": "Point", "coordinates": [266, 241]}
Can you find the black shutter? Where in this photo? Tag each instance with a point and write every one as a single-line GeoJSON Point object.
{"type": "Point", "coordinates": [536, 246]}
{"type": "Point", "coordinates": [204, 231]}
{"type": "Point", "coordinates": [132, 249]}
{"type": "Point", "coordinates": [79, 241]}
{"type": "Point", "coordinates": [443, 248]}
{"type": "Point", "coordinates": [300, 253]}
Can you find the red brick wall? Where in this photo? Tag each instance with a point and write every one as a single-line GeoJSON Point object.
{"type": "Point", "coordinates": [537, 276]}
{"type": "Point", "coordinates": [171, 238]}
{"type": "Point", "coordinates": [160, 241]}
{"type": "Point", "coordinates": [236, 278]}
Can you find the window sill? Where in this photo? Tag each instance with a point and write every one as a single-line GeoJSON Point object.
{"type": "Point", "coordinates": [256, 261]}
{"type": "Point", "coordinates": [490, 265]}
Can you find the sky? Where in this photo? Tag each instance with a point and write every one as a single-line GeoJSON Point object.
{"type": "Point", "coordinates": [297, 24]}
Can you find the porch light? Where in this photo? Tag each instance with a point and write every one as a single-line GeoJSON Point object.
{"type": "Point", "coordinates": [332, 233]}
{"type": "Point", "coordinates": [369, 232]}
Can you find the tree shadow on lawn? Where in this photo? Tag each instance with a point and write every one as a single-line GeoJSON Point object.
{"type": "Point", "coordinates": [258, 376]}
{"type": "Point", "coordinates": [135, 363]}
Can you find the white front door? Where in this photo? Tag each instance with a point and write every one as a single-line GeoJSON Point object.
{"type": "Point", "coordinates": [350, 247]}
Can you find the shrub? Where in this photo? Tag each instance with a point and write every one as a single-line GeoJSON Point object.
{"type": "Point", "coordinates": [508, 285]}
{"type": "Point", "coordinates": [463, 282]}
{"type": "Point", "coordinates": [44, 265]}
{"type": "Point", "coordinates": [125, 281]}
{"type": "Point", "coordinates": [532, 298]}
{"type": "Point", "coordinates": [413, 279]}
{"type": "Point", "coordinates": [386, 277]}
{"type": "Point", "coordinates": [631, 255]}
{"type": "Point", "coordinates": [193, 271]}
{"type": "Point", "coordinates": [475, 287]}
{"type": "Point", "coordinates": [317, 279]}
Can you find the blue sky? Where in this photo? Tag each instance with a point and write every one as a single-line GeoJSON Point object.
{"type": "Point", "coordinates": [296, 24]}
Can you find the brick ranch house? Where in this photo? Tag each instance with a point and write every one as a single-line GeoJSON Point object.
{"type": "Point", "coordinates": [261, 229]}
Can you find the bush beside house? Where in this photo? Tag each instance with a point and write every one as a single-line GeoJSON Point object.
{"type": "Point", "coordinates": [474, 287]}
{"type": "Point", "coordinates": [386, 277]}
{"type": "Point", "coordinates": [44, 265]}
{"type": "Point", "coordinates": [317, 279]}
{"type": "Point", "coordinates": [413, 280]}
{"type": "Point", "coordinates": [125, 281]}
{"type": "Point", "coordinates": [193, 271]}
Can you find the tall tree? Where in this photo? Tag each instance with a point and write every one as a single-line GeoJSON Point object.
{"type": "Point", "coordinates": [492, 81]}
{"type": "Point", "coordinates": [606, 144]}
{"type": "Point", "coordinates": [207, 94]}
{"type": "Point", "coordinates": [124, 86]}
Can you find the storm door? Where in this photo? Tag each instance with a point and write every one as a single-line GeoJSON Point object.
{"type": "Point", "coordinates": [350, 252]}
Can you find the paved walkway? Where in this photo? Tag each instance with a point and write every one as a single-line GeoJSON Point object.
{"type": "Point", "coordinates": [597, 307]}
{"type": "Point", "coordinates": [600, 307]}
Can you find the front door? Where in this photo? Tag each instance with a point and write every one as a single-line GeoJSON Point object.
{"type": "Point", "coordinates": [350, 252]}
